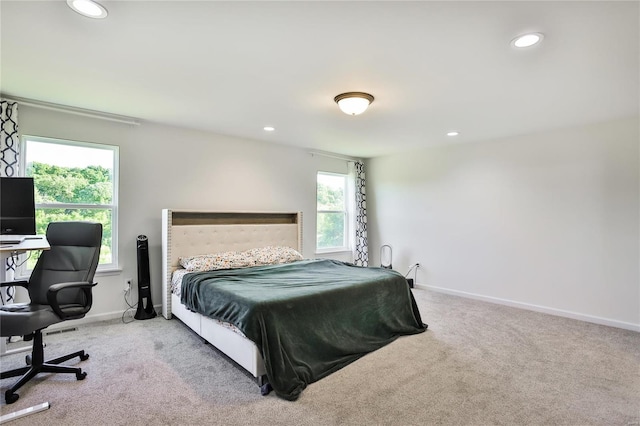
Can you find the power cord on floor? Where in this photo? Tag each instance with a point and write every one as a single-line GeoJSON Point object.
{"type": "Point", "coordinates": [414, 268]}
{"type": "Point", "coordinates": [127, 315]}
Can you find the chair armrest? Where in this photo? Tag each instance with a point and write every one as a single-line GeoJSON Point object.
{"type": "Point", "coordinates": [73, 312]}
{"type": "Point", "coordinates": [23, 283]}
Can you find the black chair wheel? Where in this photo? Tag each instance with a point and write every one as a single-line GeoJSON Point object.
{"type": "Point", "coordinates": [27, 359]}
{"type": "Point", "coordinates": [84, 357]}
{"type": "Point", "coordinates": [265, 389]}
{"type": "Point", "coordinates": [11, 397]}
{"type": "Point", "coordinates": [81, 375]}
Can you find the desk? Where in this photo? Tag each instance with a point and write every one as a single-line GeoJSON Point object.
{"type": "Point", "coordinates": [37, 242]}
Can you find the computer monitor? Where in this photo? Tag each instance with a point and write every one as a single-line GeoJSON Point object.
{"type": "Point", "coordinates": [17, 206]}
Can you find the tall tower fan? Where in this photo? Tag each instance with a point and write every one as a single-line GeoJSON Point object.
{"type": "Point", "coordinates": [145, 306]}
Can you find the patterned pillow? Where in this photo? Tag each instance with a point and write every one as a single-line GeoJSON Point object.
{"type": "Point", "coordinates": [272, 255]}
{"type": "Point", "coordinates": [211, 262]}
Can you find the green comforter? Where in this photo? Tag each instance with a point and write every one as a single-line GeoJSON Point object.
{"type": "Point", "coordinates": [308, 318]}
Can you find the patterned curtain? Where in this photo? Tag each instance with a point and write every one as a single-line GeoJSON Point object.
{"type": "Point", "coordinates": [361, 250]}
{"type": "Point", "coordinates": [9, 140]}
{"type": "Point", "coordinates": [9, 164]}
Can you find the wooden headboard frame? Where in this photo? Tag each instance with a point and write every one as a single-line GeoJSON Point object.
{"type": "Point", "coordinates": [190, 233]}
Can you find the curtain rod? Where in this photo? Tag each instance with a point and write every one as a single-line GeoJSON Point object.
{"type": "Point", "coordinates": [337, 156]}
{"type": "Point", "coordinates": [72, 110]}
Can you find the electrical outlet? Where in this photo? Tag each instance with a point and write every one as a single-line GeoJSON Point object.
{"type": "Point", "coordinates": [127, 285]}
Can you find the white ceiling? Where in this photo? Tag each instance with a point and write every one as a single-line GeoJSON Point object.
{"type": "Point", "coordinates": [234, 67]}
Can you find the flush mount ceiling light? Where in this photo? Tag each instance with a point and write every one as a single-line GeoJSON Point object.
{"type": "Point", "coordinates": [453, 133]}
{"type": "Point", "coordinates": [88, 8]}
{"type": "Point", "coordinates": [353, 103]}
{"type": "Point", "coordinates": [527, 40]}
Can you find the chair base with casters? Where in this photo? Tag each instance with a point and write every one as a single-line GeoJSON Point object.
{"type": "Point", "coordinates": [38, 365]}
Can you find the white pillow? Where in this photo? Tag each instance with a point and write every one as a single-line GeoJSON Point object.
{"type": "Point", "coordinates": [211, 262]}
{"type": "Point", "coordinates": [273, 255]}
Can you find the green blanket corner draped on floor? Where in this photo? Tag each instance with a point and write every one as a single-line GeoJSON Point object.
{"type": "Point", "coordinates": [308, 318]}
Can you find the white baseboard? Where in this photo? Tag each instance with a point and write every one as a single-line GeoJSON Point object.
{"type": "Point", "coordinates": [88, 319]}
{"type": "Point", "coordinates": [536, 308]}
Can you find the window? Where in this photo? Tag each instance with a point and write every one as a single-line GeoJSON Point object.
{"type": "Point", "coordinates": [75, 181]}
{"type": "Point", "coordinates": [332, 227]}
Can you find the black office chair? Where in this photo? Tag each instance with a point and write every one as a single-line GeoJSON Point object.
{"type": "Point", "coordinates": [60, 290]}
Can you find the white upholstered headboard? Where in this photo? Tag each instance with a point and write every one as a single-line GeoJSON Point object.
{"type": "Point", "coordinates": [190, 233]}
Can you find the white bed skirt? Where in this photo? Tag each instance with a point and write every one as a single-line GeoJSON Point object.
{"type": "Point", "coordinates": [237, 347]}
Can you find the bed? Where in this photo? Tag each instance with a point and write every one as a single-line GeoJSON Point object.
{"type": "Point", "coordinates": [286, 324]}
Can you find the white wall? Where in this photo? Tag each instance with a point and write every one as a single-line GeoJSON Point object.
{"type": "Point", "coordinates": [168, 167]}
{"type": "Point", "coordinates": [548, 222]}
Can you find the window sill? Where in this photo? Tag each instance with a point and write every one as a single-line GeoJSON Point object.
{"type": "Point", "coordinates": [109, 271]}
{"type": "Point", "coordinates": [333, 251]}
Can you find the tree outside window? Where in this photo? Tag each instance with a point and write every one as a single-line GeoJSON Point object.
{"type": "Point", "coordinates": [75, 181]}
{"type": "Point", "coordinates": [331, 212]}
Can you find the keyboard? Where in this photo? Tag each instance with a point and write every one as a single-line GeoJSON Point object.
{"type": "Point", "coordinates": [13, 239]}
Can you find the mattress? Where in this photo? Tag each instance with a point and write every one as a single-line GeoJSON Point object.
{"type": "Point", "coordinates": [176, 288]}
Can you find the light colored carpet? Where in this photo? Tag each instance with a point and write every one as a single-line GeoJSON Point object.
{"type": "Point", "coordinates": [478, 364]}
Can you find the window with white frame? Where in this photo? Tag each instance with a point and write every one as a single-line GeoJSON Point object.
{"type": "Point", "coordinates": [333, 218]}
{"type": "Point", "coordinates": [75, 181]}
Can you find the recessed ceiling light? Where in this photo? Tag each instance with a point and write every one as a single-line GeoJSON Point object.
{"type": "Point", "coordinates": [88, 8]}
{"type": "Point", "coordinates": [453, 133]}
{"type": "Point", "coordinates": [269, 128]}
{"type": "Point", "coordinates": [527, 40]}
